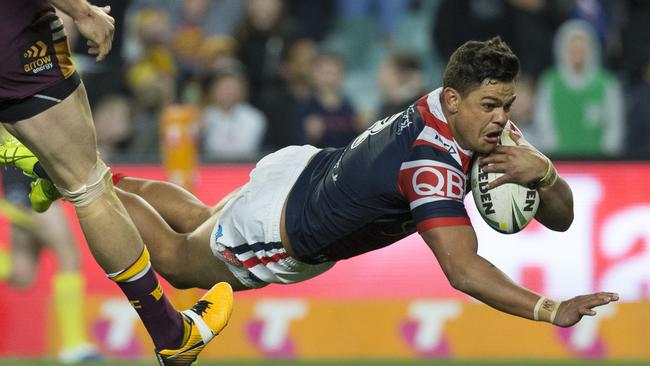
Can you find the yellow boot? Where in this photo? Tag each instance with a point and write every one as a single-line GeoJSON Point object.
{"type": "Point", "coordinates": [202, 322]}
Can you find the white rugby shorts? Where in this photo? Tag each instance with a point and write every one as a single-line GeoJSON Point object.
{"type": "Point", "coordinates": [246, 236]}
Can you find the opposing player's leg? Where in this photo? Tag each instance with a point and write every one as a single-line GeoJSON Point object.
{"type": "Point", "coordinates": [178, 207]}
{"type": "Point", "coordinates": [182, 211]}
{"type": "Point", "coordinates": [185, 260]}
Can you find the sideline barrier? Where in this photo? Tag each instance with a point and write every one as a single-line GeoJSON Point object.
{"type": "Point", "coordinates": [395, 303]}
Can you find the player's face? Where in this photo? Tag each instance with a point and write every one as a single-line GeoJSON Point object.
{"type": "Point", "coordinates": [482, 114]}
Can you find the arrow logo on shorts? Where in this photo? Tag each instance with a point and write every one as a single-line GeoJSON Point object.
{"type": "Point", "coordinates": [37, 50]}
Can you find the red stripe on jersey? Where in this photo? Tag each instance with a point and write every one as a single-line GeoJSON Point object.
{"type": "Point", "coordinates": [252, 262]}
{"type": "Point", "coordinates": [430, 120]}
{"type": "Point", "coordinates": [442, 222]}
{"type": "Point", "coordinates": [465, 160]}
{"type": "Point", "coordinates": [427, 143]}
{"type": "Point", "coordinates": [442, 128]}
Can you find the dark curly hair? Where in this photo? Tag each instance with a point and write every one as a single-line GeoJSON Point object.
{"type": "Point", "coordinates": [476, 61]}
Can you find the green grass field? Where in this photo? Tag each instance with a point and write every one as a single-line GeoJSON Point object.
{"type": "Point", "coordinates": [341, 363]}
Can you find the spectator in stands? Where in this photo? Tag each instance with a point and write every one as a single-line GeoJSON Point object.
{"type": "Point", "coordinates": [312, 18]}
{"type": "Point", "coordinates": [388, 12]}
{"type": "Point", "coordinates": [106, 77]}
{"type": "Point", "coordinates": [635, 36]}
{"type": "Point", "coordinates": [535, 23]}
{"type": "Point", "coordinates": [262, 35]}
{"type": "Point", "coordinates": [579, 106]}
{"type": "Point", "coordinates": [280, 105]}
{"type": "Point", "coordinates": [215, 17]}
{"type": "Point", "coordinates": [113, 126]}
{"type": "Point", "coordinates": [638, 114]}
{"type": "Point", "coordinates": [481, 19]}
{"type": "Point", "coordinates": [528, 25]}
{"type": "Point", "coordinates": [198, 26]}
{"type": "Point", "coordinates": [151, 79]}
{"type": "Point", "coordinates": [523, 109]}
{"type": "Point", "coordinates": [231, 128]}
{"type": "Point", "coordinates": [598, 13]}
{"type": "Point", "coordinates": [327, 118]}
{"type": "Point", "coordinates": [219, 53]}
{"type": "Point", "coordinates": [216, 54]}
{"type": "Point", "coordinates": [400, 81]}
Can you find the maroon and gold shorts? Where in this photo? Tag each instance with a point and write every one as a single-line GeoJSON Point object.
{"type": "Point", "coordinates": [36, 71]}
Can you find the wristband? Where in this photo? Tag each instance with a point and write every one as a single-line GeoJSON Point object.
{"type": "Point", "coordinates": [549, 178]}
{"type": "Point", "coordinates": [546, 310]}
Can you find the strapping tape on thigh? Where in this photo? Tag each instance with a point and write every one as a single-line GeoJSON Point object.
{"type": "Point", "coordinates": [94, 187]}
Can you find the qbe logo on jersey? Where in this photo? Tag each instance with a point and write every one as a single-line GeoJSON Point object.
{"type": "Point", "coordinates": [429, 180]}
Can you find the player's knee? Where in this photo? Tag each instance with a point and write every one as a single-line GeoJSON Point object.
{"type": "Point", "coordinates": [97, 182]}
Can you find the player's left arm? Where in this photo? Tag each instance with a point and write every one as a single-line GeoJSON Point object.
{"type": "Point", "coordinates": [455, 247]}
{"type": "Point", "coordinates": [525, 165]}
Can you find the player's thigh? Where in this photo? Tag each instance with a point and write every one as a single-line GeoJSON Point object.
{"type": "Point", "coordinates": [162, 242]}
{"type": "Point", "coordinates": [202, 269]}
{"type": "Point", "coordinates": [183, 211]}
{"type": "Point", "coordinates": [184, 260]}
{"type": "Point", "coordinates": [63, 138]}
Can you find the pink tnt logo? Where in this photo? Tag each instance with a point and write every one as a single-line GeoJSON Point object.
{"type": "Point", "coordinates": [269, 332]}
{"type": "Point", "coordinates": [424, 331]}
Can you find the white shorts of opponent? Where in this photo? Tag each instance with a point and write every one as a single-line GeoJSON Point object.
{"type": "Point", "coordinates": [246, 236]}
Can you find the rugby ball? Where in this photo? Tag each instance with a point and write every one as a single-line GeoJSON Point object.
{"type": "Point", "coordinates": [507, 208]}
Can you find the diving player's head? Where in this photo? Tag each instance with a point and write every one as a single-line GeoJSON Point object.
{"type": "Point", "coordinates": [478, 91]}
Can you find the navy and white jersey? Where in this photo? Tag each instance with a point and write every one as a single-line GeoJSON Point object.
{"type": "Point", "coordinates": [405, 173]}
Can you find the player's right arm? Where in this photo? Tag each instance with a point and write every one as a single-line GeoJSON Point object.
{"type": "Point", "coordinates": [455, 247]}
{"type": "Point", "coordinates": [93, 22]}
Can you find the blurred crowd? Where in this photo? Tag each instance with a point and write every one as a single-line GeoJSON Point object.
{"type": "Point", "coordinates": [264, 74]}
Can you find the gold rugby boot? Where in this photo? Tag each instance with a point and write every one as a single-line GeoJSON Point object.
{"type": "Point", "coordinates": [202, 323]}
